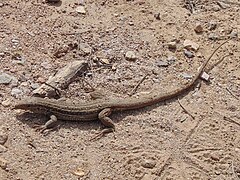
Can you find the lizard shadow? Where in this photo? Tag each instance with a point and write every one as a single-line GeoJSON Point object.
{"type": "Point", "coordinates": [34, 119]}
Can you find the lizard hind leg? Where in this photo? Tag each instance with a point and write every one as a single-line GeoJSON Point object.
{"type": "Point", "coordinates": [106, 121]}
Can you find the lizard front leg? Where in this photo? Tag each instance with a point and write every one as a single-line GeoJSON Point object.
{"type": "Point", "coordinates": [106, 121]}
{"type": "Point", "coordinates": [48, 125]}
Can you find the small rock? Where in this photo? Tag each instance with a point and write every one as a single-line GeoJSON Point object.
{"type": "Point", "coordinates": [34, 85]}
{"type": "Point", "coordinates": [2, 54]}
{"type": "Point", "coordinates": [212, 25]}
{"type": "Point", "coordinates": [190, 45]}
{"type": "Point", "coordinates": [189, 54]}
{"type": "Point", "coordinates": [223, 5]}
{"type": "Point", "coordinates": [41, 80]}
{"type": "Point", "coordinates": [172, 45]}
{"type": "Point", "coordinates": [105, 61]}
{"type": "Point", "coordinates": [16, 92]}
{"type": "Point", "coordinates": [186, 76]}
{"type": "Point", "coordinates": [3, 138]}
{"type": "Point", "coordinates": [205, 76]}
{"type": "Point", "coordinates": [5, 78]}
{"type": "Point", "coordinates": [62, 51]}
{"type": "Point", "coordinates": [162, 63]}
{"type": "Point", "coordinates": [131, 23]}
{"type": "Point", "coordinates": [215, 156]}
{"type": "Point", "coordinates": [198, 28]}
{"type": "Point", "coordinates": [79, 172]}
{"type": "Point", "coordinates": [5, 103]}
{"type": "Point", "coordinates": [234, 34]}
{"type": "Point", "coordinates": [81, 10]}
{"type": "Point", "coordinates": [157, 16]}
{"type": "Point", "coordinates": [3, 163]}
{"type": "Point", "coordinates": [171, 59]}
{"type": "Point", "coordinates": [2, 149]}
{"type": "Point", "coordinates": [46, 65]}
{"type": "Point", "coordinates": [1, 4]}
{"type": "Point", "coordinates": [85, 48]}
{"type": "Point", "coordinates": [148, 163]}
{"type": "Point", "coordinates": [15, 41]}
{"type": "Point", "coordinates": [14, 82]}
{"type": "Point", "coordinates": [130, 55]}
{"type": "Point", "coordinates": [212, 36]}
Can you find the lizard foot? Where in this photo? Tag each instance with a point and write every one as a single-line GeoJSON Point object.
{"type": "Point", "coordinates": [44, 129]}
{"type": "Point", "coordinates": [102, 133]}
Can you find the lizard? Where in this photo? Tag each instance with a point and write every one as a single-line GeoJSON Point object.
{"type": "Point", "coordinates": [100, 109]}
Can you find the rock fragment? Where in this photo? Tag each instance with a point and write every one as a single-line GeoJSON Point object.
{"type": "Point", "coordinates": [186, 76]}
{"type": "Point", "coordinates": [172, 45]}
{"type": "Point", "coordinates": [162, 63]}
{"type": "Point", "coordinates": [5, 103]}
{"type": "Point", "coordinates": [5, 78]}
{"type": "Point", "coordinates": [130, 55]}
{"type": "Point", "coordinates": [16, 92]}
{"type": "Point", "coordinates": [189, 54]}
{"type": "Point", "coordinates": [212, 25]}
{"type": "Point", "coordinates": [198, 28]}
{"type": "Point", "coordinates": [3, 163]}
{"type": "Point", "coordinates": [148, 163]}
{"type": "Point", "coordinates": [205, 76]}
{"type": "Point", "coordinates": [81, 10]}
{"type": "Point", "coordinates": [190, 45]}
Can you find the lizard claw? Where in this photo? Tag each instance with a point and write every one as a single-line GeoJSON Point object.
{"type": "Point", "coordinates": [102, 133]}
{"type": "Point", "coordinates": [40, 128]}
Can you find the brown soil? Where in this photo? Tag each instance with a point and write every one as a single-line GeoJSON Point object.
{"type": "Point", "coordinates": [157, 142]}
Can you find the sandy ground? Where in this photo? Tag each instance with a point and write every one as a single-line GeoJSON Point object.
{"type": "Point", "coordinates": [157, 142]}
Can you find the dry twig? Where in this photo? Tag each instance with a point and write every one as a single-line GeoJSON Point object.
{"type": "Point", "coordinates": [138, 84]}
{"type": "Point", "coordinates": [185, 110]}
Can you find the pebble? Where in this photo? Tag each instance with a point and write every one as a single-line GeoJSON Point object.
{"type": "Point", "coordinates": [148, 163]}
{"type": "Point", "coordinates": [2, 54]}
{"type": "Point", "coordinates": [157, 16]}
{"type": "Point", "coordinates": [34, 85]}
{"type": "Point", "coordinates": [15, 41]}
{"type": "Point", "coordinates": [46, 65]}
{"type": "Point", "coordinates": [41, 80]}
{"type": "Point", "coordinates": [190, 45]}
{"type": "Point", "coordinates": [212, 36]}
{"type": "Point", "coordinates": [2, 149]}
{"type": "Point", "coordinates": [198, 28]}
{"type": "Point", "coordinates": [14, 82]}
{"type": "Point", "coordinates": [215, 156]}
{"type": "Point", "coordinates": [105, 61]}
{"type": "Point", "coordinates": [162, 63]}
{"type": "Point", "coordinates": [234, 33]}
{"type": "Point", "coordinates": [205, 76]}
{"type": "Point", "coordinates": [16, 92]}
{"type": "Point", "coordinates": [85, 48]}
{"type": "Point", "coordinates": [186, 76]}
{"type": "Point", "coordinates": [81, 10]}
{"type": "Point", "coordinates": [3, 138]}
{"type": "Point", "coordinates": [171, 59]}
{"type": "Point", "coordinates": [1, 4]}
{"type": "Point", "coordinates": [5, 78]}
{"type": "Point", "coordinates": [189, 54]}
{"type": "Point", "coordinates": [212, 25]}
{"type": "Point", "coordinates": [5, 103]}
{"type": "Point", "coordinates": [3, 163]}
{"type": "Point", "coordinates": [130, 55]}
{"type": "Point", "coordinates": [172, 45]}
